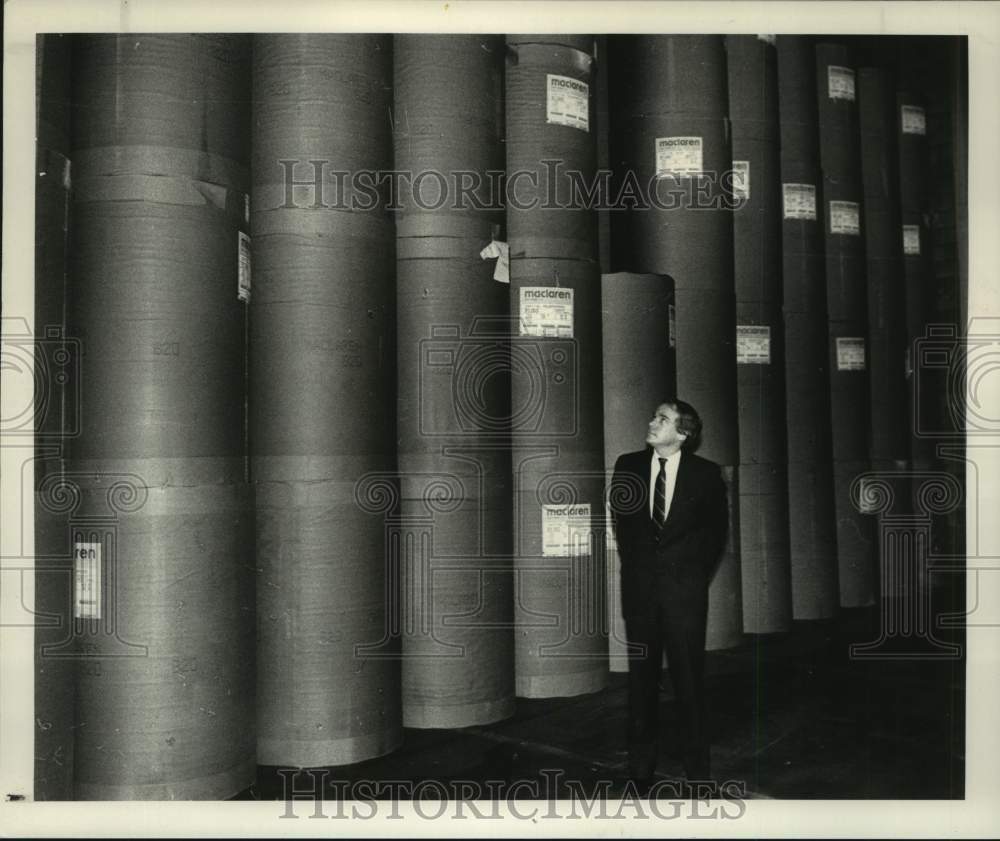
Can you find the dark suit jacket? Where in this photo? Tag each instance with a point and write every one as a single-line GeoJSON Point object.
{"type": "Point", "coordinates": [672, 567]}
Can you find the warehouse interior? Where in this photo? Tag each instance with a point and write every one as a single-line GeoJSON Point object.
{"type": "Point", "coordinates": [322, 460]}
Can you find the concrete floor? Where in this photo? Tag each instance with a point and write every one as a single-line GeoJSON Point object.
{"type": "Point", "coordinates": [793, 716]}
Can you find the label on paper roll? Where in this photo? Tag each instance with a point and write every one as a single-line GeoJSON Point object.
{"type": "Point", "coordinates": [845, 218]}
{"type": "Point", "coordinates": [911, 239]}
{"type": "Point", "coordinates": [671, 325]}
{"type": "Point", "coordinates": [546, 311]}
{"type": "Point", "coordinates": [840, 82]}
{"type": "Point", "coordinates": [913, 119]}
{"type": "Point", "coordinates": [741, 180]}
{"type": "Point", "coordinates": [87, 580]}
{"type": "Point", "coordinates": [567, 102]}
{"type": "Point", "coordinates": [753, 344]}
{"type": "Point", "coordinates": [566, 531]}
{"type": "Point", "coordinates": [799, 201]}
{"type": "Point", "coordinates": [850, 354]}
{"type": "Point", "coordinates": [243, 275]}
{"type": "Point", "coordinates": [678, 156]}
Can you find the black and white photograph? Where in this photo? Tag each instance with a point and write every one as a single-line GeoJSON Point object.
{"type": "Point", "coordinates": [550, 418]}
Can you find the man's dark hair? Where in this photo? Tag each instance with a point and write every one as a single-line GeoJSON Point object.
{"type": "Point", "coordinates": [688, 422]}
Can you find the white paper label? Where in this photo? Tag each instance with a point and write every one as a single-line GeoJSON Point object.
{"type": "Point", "coordinates": [547, 311]}
{"type": "Point", "coordinates": [840, 82]}
{"type": "Point", "coordinates": [568, 102]}
{"type": "Point", "coordinates": [87, 580]}
{"type": "Point", "coordinates": [678, 156]}
{"type": "Point", "coordinates": [799, 201]}
{"type": "Point", "coordinates": [243, 279]}
{"type": "Point", "coordinates": [911, 239]}
{"type": "Point", "coordinates": [913, 119]}
{"type": "Point", "coordinates": [845, 218]}
{"type": "Point", "coordinates": [753, 344]}
{"type": "Point", "coordinates": [500, 251]}
{"type": "Point", "coordinates": [741, 180]}
{"type": "Point", "coordinates": [566, 531]}
{"type": "Point", "coordinates": [671, 325]}
{"type": "Point", "coordinates": [850, 354]}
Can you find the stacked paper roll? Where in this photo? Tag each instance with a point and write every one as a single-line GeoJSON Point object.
{"type": "Point", "coordinates": [556, 395]}
{"type": "Point", "coordinates": [760, 363]}
{"type": "Point", "coordinates": [811, 516]}
{"type": "Point", "coordinates": [156, 487]}
{"type": "Point", "coordinates": [847, 315]}
{"type": "Point", "coordinates": [322, 402]}
{"type": "Point", "coordinates": [453, 386]}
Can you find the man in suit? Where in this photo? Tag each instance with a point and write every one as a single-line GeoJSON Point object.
{"type": "Point", "coordinates": [670, 516]}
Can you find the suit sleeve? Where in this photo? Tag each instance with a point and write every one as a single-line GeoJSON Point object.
{"type": "Point", "coordinates": [716, 516]}
{"type": "Point", "coordinates": [618, 497]}
{"type": "Point", "coordinates": [612, 497]}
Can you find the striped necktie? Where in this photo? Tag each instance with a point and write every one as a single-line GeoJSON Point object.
{"type": "Point", "coordinates": [660, 496]}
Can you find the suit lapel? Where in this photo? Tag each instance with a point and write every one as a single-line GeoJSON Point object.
{"type": "Point", "coordinates": [640, 468]}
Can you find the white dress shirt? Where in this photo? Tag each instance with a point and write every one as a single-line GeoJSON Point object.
{"type": "Point", "coordinates": [673, 462]}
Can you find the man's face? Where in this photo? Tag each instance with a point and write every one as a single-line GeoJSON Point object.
{"type": "Point", "coordinates": [662, 430]}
